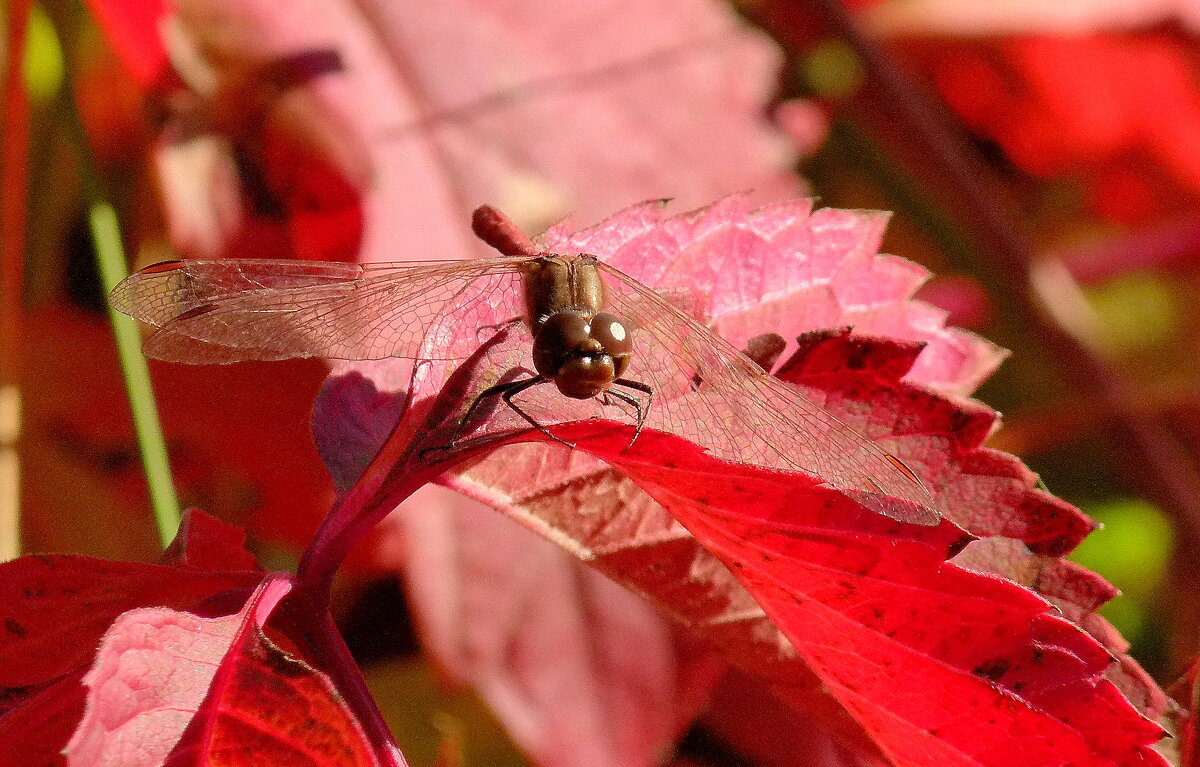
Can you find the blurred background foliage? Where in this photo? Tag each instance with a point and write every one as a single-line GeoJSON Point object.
{"type": "Point", "coordinates": [1084, 140]}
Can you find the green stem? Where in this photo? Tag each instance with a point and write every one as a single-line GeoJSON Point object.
{"type": "Point", "coordinates": [110, 258]}
{"type": "Point", "coordinates": [113, 267]}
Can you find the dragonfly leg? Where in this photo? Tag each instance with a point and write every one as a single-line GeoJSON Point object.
{"type": "Point", "coordinates": [499, 390]}
{"type": "Point", "coordinates": [642, 413]}
{"type": "Point", "coordinates": [506, 391]}
{"type": "Point", "coordinates": [515, 388]}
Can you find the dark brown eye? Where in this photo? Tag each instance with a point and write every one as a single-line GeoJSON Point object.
{"type": "Point", "coordinates": [612, 334]}
{"type": "Point", "coordinates": [565, 330]}
{"type": "Point", "coordinates": [560, 335]}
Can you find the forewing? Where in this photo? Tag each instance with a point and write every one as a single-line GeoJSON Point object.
{"type": "Point", "coordinates": [232, 310]}
{"type": "Point", "coordinates": [709, 393]}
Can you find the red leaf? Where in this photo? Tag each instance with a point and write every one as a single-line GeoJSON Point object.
{"type": "Point", "coordinates": [1076, 592]}
{"type": "Point", "coordinates": [89, 496]}
{"type": "Point", "coordinates": [931, 659]}
{"type": "Point", "coordinates": [850, 590]}
{"type": "Point", "coordinates": [1017, 16]}
{"type": "Point", "coordinates": [56, 608]}
{"type": "Point", "coordinates": [205, 543]}
{"type": "Point", "coordinates": [1083, 107]}
{"type": "Point", "coordinates": [986, 492]}
{"type": "Point", "coordinates": [36, 722]}
{"type": "Point", "coordinates": [133, 27]}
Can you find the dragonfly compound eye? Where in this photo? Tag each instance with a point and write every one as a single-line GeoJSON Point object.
{"type": "Point", "coordinates": [559, 337]}
{"type": "Point", "coordinates": [613, 335]}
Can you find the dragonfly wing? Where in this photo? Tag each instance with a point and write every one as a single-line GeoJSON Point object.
{"type": "Point", "coordinates": [231, 310]}
{"type": "Point", "coordinates": [709, 393]}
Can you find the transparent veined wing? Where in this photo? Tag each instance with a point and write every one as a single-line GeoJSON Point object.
{"type": "Point", "coordinates": [231, 310]}
{"type": "Point", "coordinates": [705, 391]}
{"type": "Point", "coordinates": [709, 393]}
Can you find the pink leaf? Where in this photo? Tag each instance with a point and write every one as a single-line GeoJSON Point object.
{"type": "Point", "coordinates": [151, 673]}
{"type": "Point", "coordinates": [170, 684]}
{"type": "Point", "coordinates": [542, 108]}
{"type": "Point", "coordinates": [579, 669]}
{"type": "Point", "coordinates": [55, 609]}
{"type": "Point", "coordinates": [785, 269]}
{"type": "Point", "coordinates": [172, 688]}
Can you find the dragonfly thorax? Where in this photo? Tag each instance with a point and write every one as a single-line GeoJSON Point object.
{"type": "Point", "coordinates": [582, 355]}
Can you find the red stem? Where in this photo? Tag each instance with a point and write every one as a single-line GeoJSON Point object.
{"type": "Point", "coordinates": [339, 664]}
{"type": "Point", "coordinates": [14, 160]}
{"type": "Point", "coordinates": [13, 181]}
{"type": "Point", "coordinates": [386, 483]}
{"type": "Point", "coordinates": [395, 472]}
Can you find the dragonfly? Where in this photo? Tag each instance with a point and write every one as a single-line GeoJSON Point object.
{"type": "Point", "coordinates": [594, 333]}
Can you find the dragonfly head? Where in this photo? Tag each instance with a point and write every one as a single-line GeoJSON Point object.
{"type": "Point", "coordinates": [582, 355]}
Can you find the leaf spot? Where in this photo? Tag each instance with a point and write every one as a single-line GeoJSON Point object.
{"type": "Point", "coordinates": [14, 628]}
{"type": "Point", "coordinates": [992, 670]}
